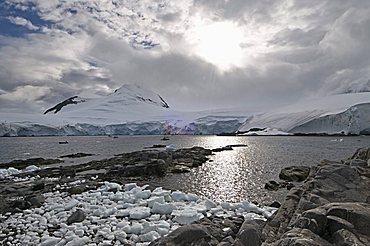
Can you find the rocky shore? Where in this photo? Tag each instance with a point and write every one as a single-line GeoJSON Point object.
{"type": "Point", "coordinates": [331, 207]}
{"type": "Point", "coordinates": [77, 205]}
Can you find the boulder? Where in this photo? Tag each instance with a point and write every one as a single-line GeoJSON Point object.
{"type": "Point", "coordinates": [294, 173]}
{"type": "Point", "coordinates": [249, 234]}
{"type": "Point", "coordinates": [77, 216]}
{"type": "Point", "coordinates": [187, 235]}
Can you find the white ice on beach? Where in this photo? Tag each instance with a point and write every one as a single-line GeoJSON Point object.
{"type": "Point", "coordinates": [116, 215]}
{"type": "Point", "coordinates": [14, 171]}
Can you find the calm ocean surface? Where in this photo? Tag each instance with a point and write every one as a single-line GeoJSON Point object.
{"type": "Point", "coordinates": [232, 176]}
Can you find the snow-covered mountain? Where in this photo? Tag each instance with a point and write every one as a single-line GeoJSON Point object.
{"type": "Point", "coordinates": [130, 102]}
{"type": "Point", "coordinates": [129, 110]}
{"type": "Point", "coordinates": [133, 110]}
{"type": "Point", "coordinates": [342, 113]}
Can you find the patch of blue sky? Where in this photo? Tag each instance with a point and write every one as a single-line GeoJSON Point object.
{"type": "Point", "coordinates": [7, 28]}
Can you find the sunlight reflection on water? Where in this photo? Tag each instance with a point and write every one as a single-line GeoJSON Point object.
{"type": "Point", "coordinates": [231, 176]}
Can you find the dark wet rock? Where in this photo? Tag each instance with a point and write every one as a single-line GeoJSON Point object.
{"type": "Point", "coordinates": [300, 237]}
{"type": "Point", "coordinates": [226, 148]}
{"type": "Point", "coordinates": [275, 204]}
{"type": "Point", "coordinates": [35, 200]}
{"type": "Point", "coordinates": [229, 240]}
{"type": "Point", "coordinates": [294, 173]}
{"type": "Point", "coordinates": [249, 234]}
{"type": "Point", "coordinates": [21, 164]}
{"type": "Point", "coordinates": [361, 154]}
{"type": "Point", "coordinates": [154, 162]}
{"type": "Point", "coordinates": [39, 185]}
{"type": "Point", "coordinates": [187, 235]}
{"type": "Point", "coordinates": [77, 155]}
{"type": "Point", "coordinates": [31, 201]}
{"type": "Point", "coordinates": [330, 208]}
{"type": "Point", "coordinates": [335, 224]}
{"type": "Point", "coordinates": [76, 217]}
{"type": "Point", "coordinates": [180, 169]}
{"type": "Point", "coordinates": [156, 146]}
{"type": "Point", "coordinates": [77, 189]}
{"type": "Point", "coordinates": [237, 145]}
{"type": "Point", "coordinates": [344, 237]}
{"type": "Point", "coordinates": [357, 163]}
{"type": "Point", "coordinates": [273, 185]}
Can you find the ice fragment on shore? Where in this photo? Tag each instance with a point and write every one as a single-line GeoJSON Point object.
{"type": "Point", "coordinates": [165, 208]}
{"type": "Point", "coordinates": [159, 191]}
{"type": "Point", "coordinates": [136, 228]}
{"type": "Point", "coordinates": [139, 213]}
{"type": "Point", "coordinates": [130, 186]}
{"type": "Point", "coordinates": [71, 204]}
{"type": "Point", "coordinates": [31, 168]}
{"type": "Point", "coordinates": [120, 236]}
{"type": "Point", "coordinates": [186, 216]}
{"type": "Point", "coordinates": [49, 241]}
{"type": "Point", "coordinates": [149, 237]}
{"type": "Point", "coordinates": [155, 199]}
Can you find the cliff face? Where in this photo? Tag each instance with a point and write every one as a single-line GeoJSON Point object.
{"type": "Point", "coordinates": [332, 207]}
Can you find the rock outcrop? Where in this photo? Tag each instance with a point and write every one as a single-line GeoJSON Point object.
{"type": "Point", "coordinates": [330, 208]}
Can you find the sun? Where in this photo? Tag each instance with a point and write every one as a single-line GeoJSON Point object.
{"type": "Point", "coordinates": [218, 43]}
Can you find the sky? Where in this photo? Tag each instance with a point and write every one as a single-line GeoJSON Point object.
{"type": "Point", "coordinates": [197, 54]}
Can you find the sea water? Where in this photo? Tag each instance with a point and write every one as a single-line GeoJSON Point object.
{"type": "Point", "coordinates": [232, 176]}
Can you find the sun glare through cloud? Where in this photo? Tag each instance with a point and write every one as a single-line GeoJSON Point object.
{"type": "Point", "coordinates": [218, 43]}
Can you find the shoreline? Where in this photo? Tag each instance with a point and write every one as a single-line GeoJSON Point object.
{"type": "Point", "coordinates": [288, 220]}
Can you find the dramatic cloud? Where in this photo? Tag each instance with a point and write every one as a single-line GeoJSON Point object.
{"type": "Point", "coordinates": [198, 54]}
{"type": "Point", "coordinates": [22, 22]}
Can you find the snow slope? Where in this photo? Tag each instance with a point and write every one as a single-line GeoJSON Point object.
{"type": "Point", "coordinates": [347, 113]}
{"type": "Point", "coordinates": [130, 110]}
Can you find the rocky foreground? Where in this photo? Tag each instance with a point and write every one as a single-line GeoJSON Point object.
{"type": "Point", "coordinates": [332, 207]}
{"type": "Point", "coordinates": [74, 206]}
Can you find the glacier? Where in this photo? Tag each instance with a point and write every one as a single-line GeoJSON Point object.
{"type": "Point", "coordinates": [133, 110]}
{"type": "Point", "coordinates": [335, 114]}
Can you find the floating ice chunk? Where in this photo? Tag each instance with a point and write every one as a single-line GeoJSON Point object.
{"type": "Point", "coordinates": [49, 241]}
{"type": "Point", "coordinates": [186, 216]}
{"type": "Point", "coordinates": [165, 208]}
{"type": "Point", "coordinates": [152, 200]}
{"type": "Point", "coordinates": [130, 186]}
{"type": "Point", "coordinates": [71, 204]}
{"type": "Point", "coordinates": [139, 213]}
{"type": "Point", "coordinates": [149, 237]}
